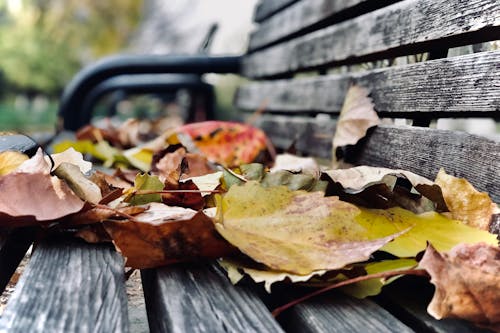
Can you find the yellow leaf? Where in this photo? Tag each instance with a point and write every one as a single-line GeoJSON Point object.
{"type": "Point", "coordinates": [442, 232]}
{"type": "Point", "coordinates": [295, 231]}
{"type": "Point", "coordinates": [10, 160]}
{"type": "Point", "coordinates": [465, 203]}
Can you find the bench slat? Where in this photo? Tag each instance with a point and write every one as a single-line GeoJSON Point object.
{"type": "Point", "coordinates": [341, 313]}
{"type": "Point", "coordinates": [462, 86]}
{"type": "Point", "coordinates": [305, 15]}
{"type": "Point", "coordinates": [197, 298]}
{"type": "Point", "coordinates": [266, 8]}
{"type": "Point", "coordinates": [407, 27]}
{"type": "Point", "coordinates": [425, 151]}
{"type": "Point", "coordinates": [13, 247]}
{"type": "Point", "coordinates": [69, 287]}
{"type": "Point", "coordinates": [421, 150]}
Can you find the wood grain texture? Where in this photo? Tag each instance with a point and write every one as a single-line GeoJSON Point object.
{"type": "Point", "coordinates": [341, 313]}
{"type": "Point", "coordinates": [424, 151]}
{"type": "Point", "coordinates": [266, 8]}
{"type": "Point", "coordinates": [394, 30]}
{"type": "Point", "coordinates": [69, 287]}
{"type": "Point", "coordinates": [197, 298]}
{"type": "Point", "coordinates": [302, 16]}
{"type": "Point", "coordinates": [13, 247]}
{"type": "Point", "coordinates": [450, 87]}
{"type": "Point", "coordinates": [308, 136]}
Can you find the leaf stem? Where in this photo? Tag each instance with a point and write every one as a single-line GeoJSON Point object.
{"type": "Point", "coordinates": [413, 271]}
{"type": "Point", "coordinates": [141, 192]}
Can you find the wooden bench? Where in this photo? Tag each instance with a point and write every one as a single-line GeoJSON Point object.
{"type": "Point", "coordinates": [302, 58]}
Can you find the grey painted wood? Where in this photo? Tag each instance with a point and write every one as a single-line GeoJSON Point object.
{"type": "Point", "coordinates": [266, 8]}
{"type": "Point", "coordinates": [341, 313]}
{"type": "Point", "coordinates": [299, 17]}
{"type": "Point", "coordinates": [425, 151]}
{"type": "Point", "coordinates": [381, 34]}
{"type": "Point", "coordinates": [69, 287]}
{"type": "Point", "coordinates": [13, 246]}
{"type": "Point", "coordinates": [451, 87]}
{"type": "Point", "coordinates": [197, 298]}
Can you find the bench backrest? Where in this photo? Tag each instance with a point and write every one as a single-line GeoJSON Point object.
{"type": "Point", "coordinates": [304, 55]}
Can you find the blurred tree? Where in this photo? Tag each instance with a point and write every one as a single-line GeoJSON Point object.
{"type": "Point", "coordinates": [44, 42]}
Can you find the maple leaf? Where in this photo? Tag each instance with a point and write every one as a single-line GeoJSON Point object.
{"type": "Point", "coordinates": [467, 280]}
{"type": "Point", "coordinates": [472, 207]}
{"type": "Point", "coordinates": [356, 117]}
{"type": "Point", "coordinates": [227, 143]}
{"type": "Point", "coordinates": [297, 232]}
{"type": "Point", "coordinates": [163, 235]}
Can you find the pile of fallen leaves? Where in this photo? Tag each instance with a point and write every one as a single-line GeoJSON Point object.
{"type": "Point", "coordinates": [216, 190]}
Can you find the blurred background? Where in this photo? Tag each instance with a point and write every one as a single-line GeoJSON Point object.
{"type": "Point", "coordinates": [43, 43]}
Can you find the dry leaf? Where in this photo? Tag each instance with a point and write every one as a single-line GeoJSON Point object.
{"type": "Point", "coordinates": [84, 188]}
{"type": "Point", "coordinates": [465, 203]}
{"type": "Point", "coordinates": [375, 187]}
{"type": "Point", "coordinates": [163, 235]}
{"type": "Point", "coordinates": [356, 117]}
{"type": "Point", "coordinates": [297, 232]}
{"type": "Point", "coordinates": [70, 156]}
{"type": "Point", "coordinates": [296, 164]}
{"type": "Point", "coordinates": [467, 281]}
{"type": "Point", "coordinates": [227, 143]}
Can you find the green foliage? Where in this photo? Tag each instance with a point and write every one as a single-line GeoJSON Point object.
{"type": "Point", "coordinates": [43, 43]}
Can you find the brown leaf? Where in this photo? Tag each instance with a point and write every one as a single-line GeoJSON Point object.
{"type": "Point", "coordinates": [466, 204]}
{"type": "Point", "coordinates": [356, 117]}
{"type": "Point", "coordinates": [168, 168]}
{"type": "Point", "coordinates": [102, 213]}
{"type": "Point", "coordinates": [163, 235]}
{"type": "Point", "coordinates": [467, 281]}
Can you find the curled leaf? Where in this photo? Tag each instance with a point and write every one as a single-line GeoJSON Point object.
{"type": "Point", "coordinates": [84, 188]}
{"type": "Point", "coordinates": [163, 235]}
{"type": "Point", "coordinates": [467, 281]}
{"type": "Point", "coordinates": [466, 204]}
{"type": "Point", "coordinates": [356, 117]}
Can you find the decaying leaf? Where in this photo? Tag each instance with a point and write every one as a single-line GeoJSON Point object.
{"type": "Point", "coordinates": [374, 187]}
{"type": "Point", "coordinates": [163, 235]}
{"type": "Point", "coordinates": [297, 232]}
{"type": "Point", "coordinates": [356, 117]}
{"type": "Point", "coordinates": [84, 188]}
{"type": "Point", "coordinates": [465, 203]}
{"type": "Point", "coordinates": [467, 281]}
{"type": "Point", "coordinates": [71, 156]}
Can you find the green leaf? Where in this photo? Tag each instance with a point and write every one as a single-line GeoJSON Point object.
{"type": "Point", "coordinates": [146, 182]}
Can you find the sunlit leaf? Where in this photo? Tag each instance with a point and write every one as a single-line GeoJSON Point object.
{"type": "Point", "coordinates": [296, 232]}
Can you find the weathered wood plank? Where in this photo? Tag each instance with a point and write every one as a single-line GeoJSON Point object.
{"type": "Point", "coordinates": [409, 297]}
{"type": "Point", "coordinates": [421, 150]}
{"type": "Point", "coordinates": [406, 27]}
{"type": "Point", "coordinates": [197, 298]}
{"type": "Point", "coordinates": [307, 15]}
{"type": "Point", "coordinates": [451, 87]}
{"type": "Point", "coordinates": [13, 247]}
{"type": "Point", "coordinates": [266, 8]}
{"type": "Point", "coordinates": [341, 313]}
{"type": "Point", "coordinates": [424, 151]}
{"type": "Point", "coordinates": [307, 136]}
{"type": "Point", "coordinates": [69, 287]}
